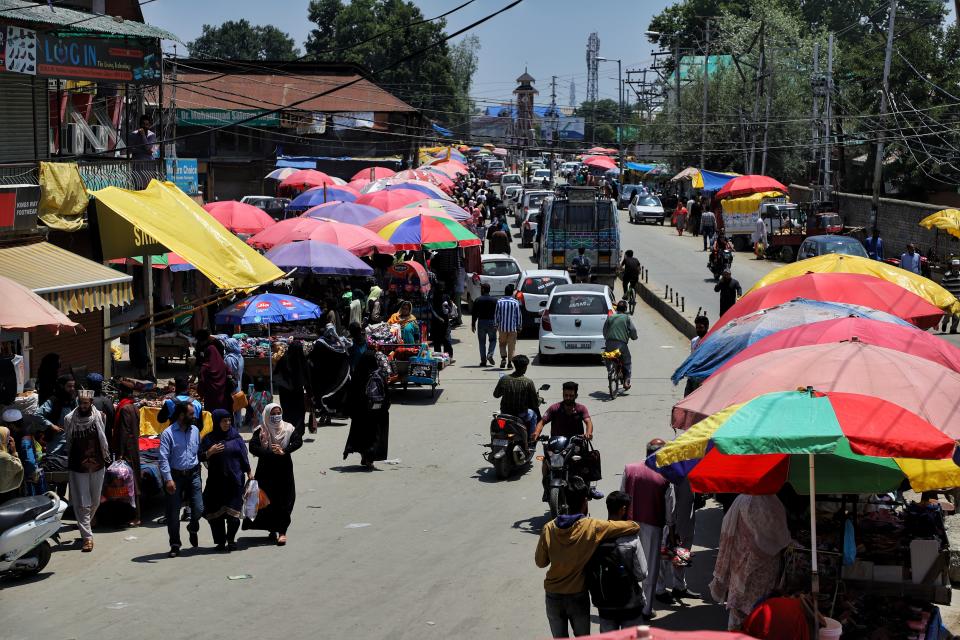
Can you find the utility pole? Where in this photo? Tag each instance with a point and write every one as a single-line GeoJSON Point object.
{"type": "Point", "coordinates": [554, 121]}
{"type": "Point", "coordinates": [827, 193]}
{"type": "Point", "coordinates": [766, 119]}
{"type": "Point", "coordinates": [814, 127]}
{"type": "Point", "coordinates": [706, 97]}
{"type": "Point", "coordinates": [761, 69]}
{"type": "Point", "coordinates": [676, 88]}
{"type": "Point", "coordinates": [878, 161]}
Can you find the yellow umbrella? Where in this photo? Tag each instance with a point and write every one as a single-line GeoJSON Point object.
{"type": "Point", "coordinates": [839, 263]}
{"type": "Point", "coordinates": [947, 219]}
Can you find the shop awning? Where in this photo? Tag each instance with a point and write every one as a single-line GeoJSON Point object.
{"type": "Point", "coordinates": [69, 282]}
{"type": "Point", "coordinates": [163, 218]}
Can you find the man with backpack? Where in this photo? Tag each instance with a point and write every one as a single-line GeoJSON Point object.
{"type": "Point", "coordinates": [615, 573]}
{"type": "Point", "coordinates": [581, 266]}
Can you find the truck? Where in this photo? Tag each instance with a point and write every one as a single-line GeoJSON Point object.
{"type": "Point", "coordinates": [740, 216]}
{"type": "Point", "coordinates": [788, 226]}
{"type": "Point", "coordinates": [575, 217]}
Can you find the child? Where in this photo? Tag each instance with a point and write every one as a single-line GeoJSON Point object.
{"type": "Point", "coordinates": [257, 401]}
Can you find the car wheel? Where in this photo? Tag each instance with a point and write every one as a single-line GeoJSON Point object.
{"type": "Point", "coordinates": [662, 221]}
{"type": "Point", "coordinates": [544, 358]}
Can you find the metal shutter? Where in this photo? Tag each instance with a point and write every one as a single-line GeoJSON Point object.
{"type": "Point", "coordinates": [81, 350]}
{"type": "Point", "coordinates": [16, 117]}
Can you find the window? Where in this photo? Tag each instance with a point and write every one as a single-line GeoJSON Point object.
{"type": "Point", "coordinates": [542, 285]}
{"type": "Point", "coordinates": [535, 200]}
{"type": "Point", "coordinates": [579, 304]}
{"type": "Point", "coordinates": [511, 179]}
{"type": "Point", "coordinates": [500, 268]}
{"type": "Point", "coordinates": [648, 201]}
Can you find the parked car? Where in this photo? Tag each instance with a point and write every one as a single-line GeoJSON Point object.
{"type": "Point", "coordinates": [528, 228]}
{"type": "Point", "coordinates": [496, 269]}
{"type": "Point", "coordinates": [530, 202]}
{"type": "Point", "coordinates": [821, 245]}
{"type": "Point", "coordinates": [534, 290]}
{"type": "Point", "coordinates": [495, 169]}
{"type": "Point", "coordinates": [627, 192]}
{"type": "Point", "coordinates": [646, 207]}
{"type": "Point", "coordinates": [275, 207]}
{"type": "Point", "coordinates": [573, 321]}
{"type": "Point", "coordinates": [510, 179]}
{"type": "Point", "coordinates": [511, 194]}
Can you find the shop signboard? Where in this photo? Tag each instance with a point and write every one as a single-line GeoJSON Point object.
{"type": "Point", "coordinates": [79, 57]}
{"type": "Point", "coordinates": [122, 239]}
{"type": "Point", "coordinates": [18, 206]}
{"type": "Point", "coordinates": [219, 117]}
{"type": "Point", "coordinates": [183, 173]}
{"type": "Point", "coordinates": [571, 128]}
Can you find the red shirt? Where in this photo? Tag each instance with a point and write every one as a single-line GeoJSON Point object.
{"type": "Point", "coordinates": [648, 490]}
{"type": "Point", "coordinates": [563, 423]}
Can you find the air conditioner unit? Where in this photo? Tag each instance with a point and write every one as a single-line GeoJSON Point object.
{"type": "Point", "coordinates": [71, 139]}
{"type": "Point", "coordinates": [101, 139]}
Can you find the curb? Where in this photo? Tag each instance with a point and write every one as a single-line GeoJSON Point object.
{"type": "Point", "coordinates": [650, 293]}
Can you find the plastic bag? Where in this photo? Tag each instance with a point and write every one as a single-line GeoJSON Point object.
{"type": "Point", "coordinates": [118, 483]}
{"type": "Point", "coordinates": [254, 499]}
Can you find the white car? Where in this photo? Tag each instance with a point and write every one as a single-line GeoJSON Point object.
{"type": "Point", "coordinates": [511, 193]}
{"type": "Point", "coordinates": [530, 202]}
{"type": "Point", "coordinates": [528, 228]}
{"type": "Point", "coordinates": [568, 169]}
{"type": "Point", "coordinates": [534, 290]}
{"type": "Point", "coordinates": [645, 207]}
{"type": "Point", "coordinates": [573, 320]}
{"type": "Point", "coordinates": [540, 175]}
{"type": "Point", "coordinates": [496, 269]}
{"type": "Point", "coordinates": [508, 179]}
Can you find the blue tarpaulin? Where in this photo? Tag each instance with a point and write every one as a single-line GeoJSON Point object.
{"type": "Point", "coordinates": [444, 132]}
{"type": "Point", "coordinates": [714, 181]}
{"type": "Point", "coordinates": [637, 166]}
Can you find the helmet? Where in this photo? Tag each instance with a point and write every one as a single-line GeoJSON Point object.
{"type": "Point", "coordinates": [558, 444]}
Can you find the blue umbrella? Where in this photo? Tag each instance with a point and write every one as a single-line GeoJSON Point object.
{"type": "Point", "coordinates": [321, 258]}
{"type": "Point", "coordinates": [729, 340]}
{"type": "Point", "coordinates": [349, 212]}
{"type": "Point", "coordinates": [319, 195]}
{"type": "Point", "coordinates": [412, 185]}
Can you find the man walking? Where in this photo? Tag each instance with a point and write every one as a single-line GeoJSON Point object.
{"type": "Point", "coordinates": [508, 317]}
{"type": "Point", "coordinates": [874, 245]}
{"type": "Point", "coordinates": [729, 289]}
{"type": "Point", "coordinates": [566, 545]}
{"type": "Point", "coordinates": [910, 260]}
{"type": "Point", "coordinates": [652, 507]}
{"type": "Point", "coordinates": [85, 442]}
{"type": "Point", "coordinates": [708, 227]}
{"type": "Point", "coordinates": [581, 266]}
{"type": "Point", "coordinates": [615, 574]}
{"type": "Point", "coordinates": [482, 323]}
{"type": "Point", "coordinates": [180, 469]}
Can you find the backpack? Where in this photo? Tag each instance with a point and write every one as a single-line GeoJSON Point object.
{"type": "Point", "coordinates": [611, 581]}
{"type": "Point", "coordinates": [376, 391]}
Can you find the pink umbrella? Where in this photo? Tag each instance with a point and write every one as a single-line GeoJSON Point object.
{"type": "Point", "coordinates": [450, 167]}
{"type": "Point", "coordinates": [23, 310]}
{"type": "Point", "coordinates": [358, 184]}
{"type": "Point", "coordinates": [239, 217]}
{"type": "Point", "coordinates": [442, 179]}
{"type": "Point", "coordinates": [372, 173]}
{"type": "Point", "coordinates": [305, 179]}
{"type": "Point", "coordinates": [357, 240]}
{"type": "Point", "coordinates": [916, 384]}
{"type": "Point", "coordinates": [390, 200]}
{"type": "Point", "coordinates": [600, 162]}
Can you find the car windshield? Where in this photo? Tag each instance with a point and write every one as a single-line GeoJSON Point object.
{"type": "Point", "coordinates": [578, 304]}
{"type": "Point", "coordinates": [847, 246]}
{"type": "Point", "coordinates": [535, 200]}
{"type": "Point", "coordinates": [500, 268]}
{"type": "Point", "coordinates": [511, 179]}
{"type": "Point", "coordinates": [266, 203]}
{"type": "Point", "coordinates": [648, 201]}
{"type": "Point", "coordinates": [542, 173]}
{"type": "Point", "coordinates": [539, 284]}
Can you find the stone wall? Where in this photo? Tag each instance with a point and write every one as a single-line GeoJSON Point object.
{"type": "Point", "coordinates": [899, 222]}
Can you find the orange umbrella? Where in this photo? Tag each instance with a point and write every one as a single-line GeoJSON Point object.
{"type": "Point", "coordinates": [23, 310]}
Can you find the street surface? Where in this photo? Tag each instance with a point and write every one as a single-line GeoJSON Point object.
{"type": "Point", "coordinates": [428, 546]}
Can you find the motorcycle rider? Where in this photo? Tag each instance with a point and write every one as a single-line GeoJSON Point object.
{"type": "Point", "coordinates": [518, 394]}
{"type": "Point", "coordinates": [568, 418]}
{"type": "Point", "coordinates": [618, 331]}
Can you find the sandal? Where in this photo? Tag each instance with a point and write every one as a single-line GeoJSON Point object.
{"type": "Point", "coordinates": [281, 539]}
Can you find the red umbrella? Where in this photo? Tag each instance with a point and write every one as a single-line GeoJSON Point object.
{"type": "Point", "coordinates": [451, 167]}
{"type": "Point", "coordinates": [600, 162]}
{"type": "Point", "coordinates": [880, 334]}
{"type": "Point", "coordinates": [600, 151]}
{"type": "Point", "coordinates": [748, 185]}
{"type": "Point", "coordinates": [390, 200]}
{"type": "Point", "coordinates": [239, 217]}
{"type": "Point", "coordinates": [441, 178]}
{"type": "Point", "coordinates": [357, 240]}
{"type": "Point", "coordinates": [357, 184]}
{"type": "Point", "coordinates": [372, 173]}
{"type": "Point", "coordinates": [305, 179]}
{"type": "Point", "coordinates": [851, 288]}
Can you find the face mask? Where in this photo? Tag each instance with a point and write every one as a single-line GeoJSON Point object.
{"type": "Point", "coordinates": [276, 419]}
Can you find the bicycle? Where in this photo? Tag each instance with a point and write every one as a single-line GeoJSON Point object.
{"type": "Point", "coordinates": [615, 378]}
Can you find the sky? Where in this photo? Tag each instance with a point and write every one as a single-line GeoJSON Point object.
{"type": "Point", "coordinates": [547, 37]}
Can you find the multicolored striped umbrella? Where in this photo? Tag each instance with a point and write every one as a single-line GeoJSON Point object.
{"type": "Point", "coordinates": [452, 209]}
{"type": "Point", "coordinates": [421, 231]}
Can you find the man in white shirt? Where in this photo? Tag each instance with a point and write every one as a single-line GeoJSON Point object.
{"type": "Point", "coordinates": [910, 260]}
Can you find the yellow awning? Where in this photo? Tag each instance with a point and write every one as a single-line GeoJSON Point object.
{"type": "Point", "coordinates": [69, 282]}
{"type": "Point", "coordinates": [165, 214]}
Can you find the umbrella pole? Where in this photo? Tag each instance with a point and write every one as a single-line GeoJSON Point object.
{"type": "Point", "coordinates": [814, 575]}
{"type": "Point", "coordinates": [270, 358]}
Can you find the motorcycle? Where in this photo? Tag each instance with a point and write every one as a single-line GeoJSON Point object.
{"type": "Point", "coordinates": [25, 526]}
{"type": "Point", "coordinates": [510, 446]}
{"type": "Point", "coordinates": [564, 456]}
{"type": "Point", "coordinates": [720, 262]}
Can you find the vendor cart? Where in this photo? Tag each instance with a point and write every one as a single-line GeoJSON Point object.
{"type": "Point", "coordinates": [172, 346]}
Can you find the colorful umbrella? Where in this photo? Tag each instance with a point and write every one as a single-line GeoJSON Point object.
{"type": "Point", "coordinates": [600, 162]}
{"type": "Point", "coordinates": [946, 219]}
{"type": "Point", "coordinates": [421, 231]}
{"type": "Point", "coordinates": [916, 384]}
{"type": "Point", "coordinates": [500, 152]}
{"type": "Point", "coordinates": [600, 151]}
{"type": "Point", "coordinates": [403, 213]}
{"type": "Point", "coordinates": [320, 195]}
{"type": "Point", "coordinates": [349, 212]}
{"type": "Point", "coordinates": [439, 177]}
{"type": "Point", "coordinates": [839, 263]}
{"type": "Point", "coordinates": [170, 261]}
{"type": "Point", "coordinates": [731, 339]}
{"type": "Point", "coordinates": [303, 179]}
{"type": "Point", "coordinates": [390, 200]}
{"type": "Point", "coordinates": [907, 339]}
{"type": "Point", "coordinates": [321, 258]}
{"type": "Point", "coordinates": [280, 174]}
{"type": "Point", "coordinates": [452, 209]}
{"type": "Point", "coordinates": [429, 190]}
{"type": "Point", "coordinates": [749, 184]}
{"type": "Point", "coordinates": [239, 217]}
{"type": "Point", "coordinates": [23, 310]}
{"type": "Point", "coordinates": [372, 173]}
{"type": "Point", "coordinates": [849, 288]}
{"type": "Point", "coordinates": [357, 240]}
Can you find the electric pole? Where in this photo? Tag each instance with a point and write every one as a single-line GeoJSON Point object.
{"type": "Point", "coordinates": [766, 119]}
{"type": "Point", "coordinates": [814, 127]}
{"type": "Point", "coordinates": [706, 96]}
{"type": "Point", "coordinates": [878, 161]}
{"type": "Point", "coordinates": [827, 192]}
{"type": "Point", "coordinates": [761, 70]}
{"type": "Point", "coordinates": [554, 121]}
{"type": "Point", "coordinates": [676, 82]}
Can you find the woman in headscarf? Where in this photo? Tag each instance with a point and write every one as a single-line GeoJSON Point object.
{"type": "Point", "coordinates": [234, 361]}
{"type": "Point", "coordinates": [291, 379]}
{"type": "Point", "coordinates": [355, 313]}
{"type": "Point", "coordinates": [374, 310]}
{"type": "Point", "coordinates": [369, 407]}
{"type": "Point", "coordinates": [273, 442]}
{"type": "Point", "coordinates": [212, 385]}
{"type": "Point", "coordinates": [440, 320]}
{"type": "Point", "coordinates": [409, 330]}
{"type": "Point", "coordinates": [47, 375]}
{"type": "Point", "coordinates": [753, 534]}
{"type": "Point", "coordinates": [125, 440]}
{"type": "Point", "coordinates": [227, 470]}
{"type": "Point", "coordinates": [330, 333]}
{"type": "Point", "coordinates": [87, 455]}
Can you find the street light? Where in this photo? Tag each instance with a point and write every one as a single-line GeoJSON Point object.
{"type": "Point", "coordinates": [619, 110]}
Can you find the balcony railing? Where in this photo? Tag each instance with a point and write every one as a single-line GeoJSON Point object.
{"type": "Point", "coordinates": [96, 174]}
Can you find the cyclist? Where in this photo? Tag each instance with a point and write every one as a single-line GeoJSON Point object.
{"type": "Point", "coordinates": [630, 272]}
{"type": "Point", "coordinates": [618, 331]}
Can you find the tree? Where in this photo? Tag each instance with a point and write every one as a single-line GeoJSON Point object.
{"type": "Point", "coordinates": [601, 119]}
{"type": "Point", "coordinates": [463, 62]}
{"type": "Point", "coordinates": [376, 34]}
{"type": "Point", "coordinates": [239, 40]}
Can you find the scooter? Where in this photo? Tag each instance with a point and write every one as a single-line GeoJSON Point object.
{"type": "Point", "coordinates": [25, 526]}
{"type": "Point", "coordinates": [510, 446]}
{"type": "Point", "coordinates": [563, 455]}
{"type": "Point", "coordinates": [722, 262]}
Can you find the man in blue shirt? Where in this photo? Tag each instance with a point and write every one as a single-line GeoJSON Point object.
{"type": "Point", "coordinates": [508, 317]}
{"type": "Point", "coordinates": [874, 245]}
{"type": "Point", "coordinates": [180, 469]}
{"type": "Point", "coordinates": [911, 260]}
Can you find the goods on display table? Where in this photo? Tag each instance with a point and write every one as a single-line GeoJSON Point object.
{"type": "Point", "coordinates": [405, 364]}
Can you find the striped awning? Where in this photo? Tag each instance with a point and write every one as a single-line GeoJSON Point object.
{"type": "Point", "coordinates": [71, 283]}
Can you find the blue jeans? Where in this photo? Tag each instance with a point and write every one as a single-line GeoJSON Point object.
{"type": "Point", "coordinates": [189, 485]}
{"type": "Point", "coordinates": [487, 335]}
{"type": "Point", "coordinates": [708, 233]}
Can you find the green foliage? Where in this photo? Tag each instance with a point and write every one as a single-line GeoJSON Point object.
{"type": "Point", "coordinates": [601, 121]}
{"type": "Point", "coordinates": [239, 40]}
{"type": "Point", "coordinates": [464, 59]}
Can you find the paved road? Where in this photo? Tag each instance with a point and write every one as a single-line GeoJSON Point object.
{"type": "Point", "coordinates": [430, 546]}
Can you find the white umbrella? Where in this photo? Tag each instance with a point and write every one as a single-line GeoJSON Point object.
{"type": "Point", "coordinates": [279, 174]}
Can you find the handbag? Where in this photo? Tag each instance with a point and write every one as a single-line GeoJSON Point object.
{"type": "Point", "coordinates": [239, 400]}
